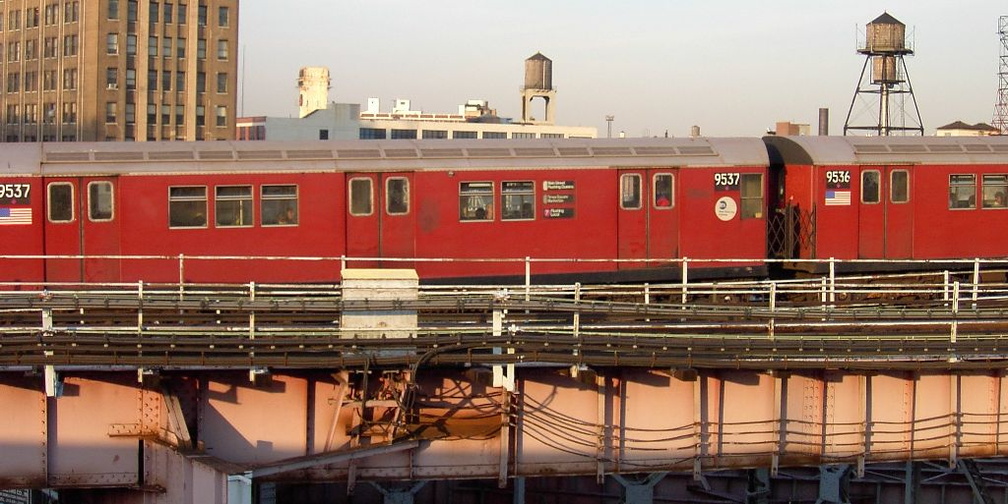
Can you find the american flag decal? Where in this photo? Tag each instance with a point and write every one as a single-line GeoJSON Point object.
{"type": "Point", "coordinates": [15, 215]}
{"type": "Point", "coordinates": [837, 198]}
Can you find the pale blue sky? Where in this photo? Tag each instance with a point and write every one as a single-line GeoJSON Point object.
{"type": "Point", "coordinates": [733, 67]}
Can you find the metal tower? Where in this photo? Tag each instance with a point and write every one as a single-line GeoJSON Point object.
{"type": "Point", "coordinates": [1001, 107]}
{"type": "Point", "coordinates": [885, 47]}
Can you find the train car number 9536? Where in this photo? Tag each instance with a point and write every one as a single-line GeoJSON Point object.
{"type": "Point", "coordinates": [15, 191]}
{"type": "Point", "coordinates": [838, 179]}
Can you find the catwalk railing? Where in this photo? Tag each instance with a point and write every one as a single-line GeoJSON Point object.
{"type": "Point", "coordinates": [949, 319]}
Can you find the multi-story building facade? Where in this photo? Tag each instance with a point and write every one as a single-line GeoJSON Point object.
{"type": "Point", "coordinates": [118, 70]}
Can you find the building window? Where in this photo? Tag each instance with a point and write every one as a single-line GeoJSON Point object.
{"type": "Point", "coordinates": [100, 201]}
{"type": "Point", "coordinates": [130, 113]}
{"type": "Point", "coordinates": [31, 80]}
{"type": "Point", "coordinates": [200, 115]}
{"type": "Point", "coordinates": [152, 46]}
{"type": "Point", "coordinates": [14, 51]}
{"type": "Point", "coordinates": [399, 134]}
{"type": "Point", "coordinates": [323, 134]}
{"type": "Point", "coordinates": [517, 200]}
{"type": "Point", "coordinates": [71, 11]}
{"type": "Point", "coordinates": [233, 206]}
{"type": "Point", "coordinates": [70, 45]}
{"type": "Point", "coordinates": [279, 205]}
{"type": "Point", "coordinates": [361, 197]}
{"type": "Point", "coordinates": [165, 114]}
{"type": "Point", "coordinates": [166, 80]}
{"type": "Point", "coordinates": [494, 135]}
{"type": "Point", "coordinates": [551, 135]}
{"type": "Point", "coordinates": [995, 191]}
{"type": "Point", "coordinates": [179, 48]}
{"type": "Point", "coordinates": [372, 133]}
{"type": "Point", "coordinates": [179, 115]}
{"type": "Point", "coordinates": [151, 113]}
{"type": "Point", "coordinates": [182, 12]}
{"type": "Point", "coordinates": [464, 134]}
{"type": "Point", "coordinates": [221, 115]}
{"type": "Point", "coordinates": [49, 47]}
{"type": "Point", "coordinates": [663, 194]}
{"type": "Point", "coordinates": [69, 113]}
{"type": "Point", "coordinates": [476, 201]}
{"type": "Point", "coordinates": [152, 80]}
{"type": "Point", "coordinates": [222, 50]}
{"type": "Point", "coordinates": [112, 43]}
{"type": "Point", "coordinates": [522, 134]}
{"type": "Point", "coordinates": [61, 207]}
{"type": "Point", "coordinates": [435, 133]}
{"type": "Point", "coordinates": [51, 14]}
{"type": "Point", "coordinates": [222, 16]}
{"type": "Point", "coordinates": [31, 113]}
{"type": "Point", "coordinates": [130, 78]}
{"type": "Point", "coordinates": [962, 191]}
{"type": "Point", "coordinates": [13, 82]}
{"type": "Point", "coordinates": [70, 79]}
{"type": "Point", "coordinates": [168, 12]}
{"type": "Point", "coordinates": [14, 20]}
{"type": "Point", "coordinates": [131, 11]}
{"type": "Point", "coordinates": [630, 191]}
{"type": "Point", "coordinates": [166, 47]}
{"type": "Point", "coordinates": [49, 80]}
{"type": "Point", "coordinates": [49, 113]}
{"type": "Point", "coordinates": [202, 15]}
{"type": "Point", "coordinates": [201, 48]}
{"type": "Point", "coordinates": [187, 207]}
{"type": "Point", "coordinates": [751, 189]}
{"type": "Point", "coordinates": [31, 49]}
{"type": "Point", "coordinates": [110, 112]}
{"type": "Point", "coordinates": [13, 114]}
{"type": "Point", "coordinates": [113, 9]}
{"type": "Point", "coordinates": [222, 82]}
{"type": "Point", "coordinates": [131, 45]}
{"type": "Point", "coordinates": [31, 17]}
{"type": "Point", "coordinates": [200, 82]}
{"type": "Point", "coordinates": [179, 81]}
{"type": "Point", "coordinates": [155, 12]}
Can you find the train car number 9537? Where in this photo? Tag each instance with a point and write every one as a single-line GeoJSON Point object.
{"type": "Point", "coordinates": [726, 181]}
{"type": "Point", "coordinates": [15, 191]}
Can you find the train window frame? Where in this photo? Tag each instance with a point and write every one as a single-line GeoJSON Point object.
{"type": "Point", "coordinates": [660, 188]}
{"type": "Point", "coordinates": [476, 201]}
{"type": "Point", "coordinates": [397, 200]}
{"type": "Point", "coordinates": [962, 191]}
{"type": "Point", "coordinates": [517, 201]}
{"type": "Point", "coordinates": [864, 185]}
{"type": "Point", "coordinates": [196, 220]}
{"type": "Point", "coordinates": [893, 187]}
{"type": "Point", "coordinates": [630, 193]}
{"type": "Point", "coordinates": [354, 201]}
{"type": "Point", "coordinates": [750, 203]}
{"type": "Point", "coordinates": [994, 185]}
{"type": "Point", "coordinates": [100, 214]}
{"type": "Point", "coordinates": [242, 201]}
{"type": "Point", "coordinates": [69, 205]}
{"type": "Point", "coordinates": [278, 204]}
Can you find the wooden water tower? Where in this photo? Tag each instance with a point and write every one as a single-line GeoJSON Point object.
{"type": "Point", "coordinates": [538, 84]}
{"type": "Point", "coordinates": [888, 82]}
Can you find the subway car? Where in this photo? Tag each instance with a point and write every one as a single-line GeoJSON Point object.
{"type": "Point", "coordinates": [455, 210]}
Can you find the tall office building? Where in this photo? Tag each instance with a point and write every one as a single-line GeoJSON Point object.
{"type": "Point", "coordinates": [85, 70]}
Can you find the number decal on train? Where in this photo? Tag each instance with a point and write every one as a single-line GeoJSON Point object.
{"type": "Point", "coordinates": [726, 181]}
{"type": "Point", "coordinates": [15, 192]}
{"type": "Point", "coordinates": [838, 179]}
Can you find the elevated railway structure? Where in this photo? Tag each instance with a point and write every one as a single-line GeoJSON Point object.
{"type": "Point", "coordinates": [868, 388]}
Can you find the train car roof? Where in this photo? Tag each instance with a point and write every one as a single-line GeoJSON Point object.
{"type": "Point", "coordinates": [847, 150]}
{"type": "Point", "coordinates": [174, 157]}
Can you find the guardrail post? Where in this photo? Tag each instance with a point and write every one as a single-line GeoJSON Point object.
{"type": "Point", "coordinates": [773, 308]}
{"type": "Point", "coordinates": [955, 312]}
{"type": "Point", "coordinates": [832, 280]}
{"type": "Point", "coordinates": [528, 278]}
{"type": "Point", "coordinates": [140, 295]}
{"type": "Point", "coordinates": [976, 281]}
{"type": "Point", "coordinates": [577, 313]}
{"type": "Point", "coordinates": [181, 274]}
{"type": "Point", "coordinates": [685, 279]}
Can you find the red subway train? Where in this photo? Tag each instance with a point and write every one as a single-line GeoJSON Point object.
{"type": "Point", "coordinates": [590, 210]}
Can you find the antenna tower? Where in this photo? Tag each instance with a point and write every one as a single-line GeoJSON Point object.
{"type": "Point", "coordinates": [1001, 107]}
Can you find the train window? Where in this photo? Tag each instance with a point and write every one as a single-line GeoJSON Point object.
{"type": "Point", "coordinates": [899, 186]}
{"type": "Point", "coordinates": [476, 201]}
{"type": "Point", "coordinates": [962, 191]}
{"type": "Point", "coordinates": [187, 207]}
{"type": "Point", "coordinates": [870, 186]}
{"type": "Point", "coordinates": [995, 189]}
{"type": "Point", "coordinates": [517, 200]}
{"type": "Point", "coordinates": [279, 205]}
{"type": "Point", "coordinates": [396, 196]}
{"type": "Point", "coordinates": [751, 189]}
{"type": "Point", "coordinates": [361, 196]}
{"type": "Point", "coordinates": [233, 206]}
{"type": "Point", "coordinates": [663, 190]}
{"type": "Point", "coordinates": [100, 202]}
{"type": "Point", "coordinates": [61, 207]}
{"type": "Point", "coordinates": [630, 191]}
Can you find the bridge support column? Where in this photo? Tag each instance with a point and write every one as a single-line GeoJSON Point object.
{"type": "Point", "coordinates": [759, 490]}
{"type": "Point", "coordinates": [399, 495]}
{"type": "Point", "coordinates": [833, 483]}
{"type": "Point", "coordinates": [639, 492]}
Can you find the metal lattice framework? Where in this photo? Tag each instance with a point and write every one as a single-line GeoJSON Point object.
{"type": "Point", "coordinates": [1001, 107]}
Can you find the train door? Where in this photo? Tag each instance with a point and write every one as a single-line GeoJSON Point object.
{"type": "Point", "coordinates": [380, 219]}
{"type": "Point", "coordinates": [885, 220]}
{"type": "Point", "coordinates": [647, 222]}
{"type": "Point", "coordinates": [81, 220]}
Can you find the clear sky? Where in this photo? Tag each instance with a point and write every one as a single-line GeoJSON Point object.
{"type": "Point", "coordinates": [733, 67]}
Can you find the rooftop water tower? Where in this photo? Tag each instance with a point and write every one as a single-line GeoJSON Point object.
{"type": "Point", "coordinates": [538, 84]}
{"type": "Point", "coordinates": [884, 48]}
